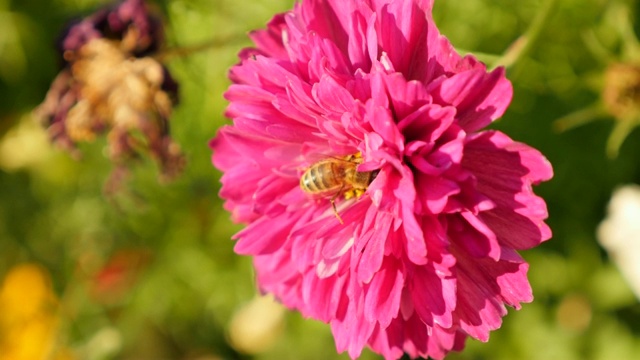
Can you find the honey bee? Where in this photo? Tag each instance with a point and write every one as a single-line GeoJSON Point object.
{"type": "Point", "coordinates": [337, 177]}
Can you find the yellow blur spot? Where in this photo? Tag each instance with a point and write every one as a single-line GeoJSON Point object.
{"type": "Point", "coordinates": [28, 319]}
{"type": "Point", "coordinates": [24, 146]}
{"type": "Point", "coordinates": [256, 326]}
{"type": "Point", "coordinates": [574, 313]}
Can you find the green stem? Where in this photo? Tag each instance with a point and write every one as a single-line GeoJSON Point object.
{"type": "Point", "coordinates": [596, 48]}
{"type": "Point", "coordinates": [184, 51]}
{"type": "Point", "coordinates": [579, 117]}
{"type": "Point", "coordinates": [621, 130]}
{"type": "Point", "coordinates": [630, 44]}
{"type": "Point", "coordinates": [525, 42]}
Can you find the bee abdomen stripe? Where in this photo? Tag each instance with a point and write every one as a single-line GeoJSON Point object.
{"type": "Point", "coordinates": [328, 181]}
{"type": "Point", "coordinates": [319, 181]}
{"type": "Point", "coordinates": [310, 180]}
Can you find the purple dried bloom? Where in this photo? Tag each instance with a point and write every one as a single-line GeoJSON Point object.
{"type": "Point", "coordinates": [109, 83]}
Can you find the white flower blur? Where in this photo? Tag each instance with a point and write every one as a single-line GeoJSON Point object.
{"type": "Point", "coordinates": [619, 233]}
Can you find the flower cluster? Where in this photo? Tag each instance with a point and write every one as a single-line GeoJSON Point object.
{"type": "Point", "coordinates": [427, 255]}
{"type": "Point", "coordinates": [110, 83]}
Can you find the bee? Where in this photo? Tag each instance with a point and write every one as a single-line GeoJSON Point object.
{"type": "Point", "coordinates": [337, 177]}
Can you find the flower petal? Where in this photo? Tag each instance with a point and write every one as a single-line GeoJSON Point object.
{"type": "Point", "coordinates": [480, 97]}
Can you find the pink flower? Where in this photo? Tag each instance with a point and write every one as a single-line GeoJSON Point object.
{"type": "Point", "coordinates": [428, 254]}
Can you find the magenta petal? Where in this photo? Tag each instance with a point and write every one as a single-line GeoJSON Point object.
{"type": "Point", "coordinates": [505, 171]}
{"type": "Point", "coordinates": [533, 166]}
{"type": "Point", "coordinates": [352, 330]}
{"type": "Point", "coordinates": [383, 124]}
{"type": "Point", "coordinates": [479, 97]}
{"type": "Point", "coordinates": [410, 100]}
{"type": "Point", "coordinates": [384, 341]}
{"type": "Point", "coordinates": [434, 192]}
{"type": "Point", "coordinates": [382, 300]}
{"type": "Point", "coordinates": [442, 342]}
{"type": "Point", "coordinates": [404, 29]}
{"type": "Point", "coordinates": [331, 96]}
{"type": "Point", "coordinates": [269, 41]}
{"type": "Point", "coordinates": [336, 247]}
{"type": "Point", "coordinates": [358, 45]}
{"type": "Point", "coordinates": [373, 252]}
{"type": "Point", "coordinates": [428, 123]}
{"type": "Point", "coordinates": [479, 313]}
{"type": "Point", "coordinates": [261, 237]}
{"type": "Point", "coordinates": [434, 296]}
{"type": "Point", "coordinates": [493, 283]}
{"type": "Point", "coordinates": [486, 244]}
{"type": "Point", "coordinates": [514, 230]}
{"type": "Point", "coordinates": [328, 18]}
{"type": "Point", "coordinates": [323, 308]}
{"type": "Point", "coordinates": [514, 286]}
{"type": "Point", "coordinates": [414, 235]}
{"type": "Point", "coordinates": [416, 339]}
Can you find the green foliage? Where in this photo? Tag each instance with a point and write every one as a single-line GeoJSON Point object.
{"type": "Point", "coordinates": [53, 210]}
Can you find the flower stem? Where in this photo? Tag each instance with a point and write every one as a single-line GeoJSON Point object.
{"type": "Point", "coordinates": [597, 49]}
{"type": "Point", "coordinates": [630, 43]}
{"type": "Point", "coordinates": [621, 130]}
{"type": "Point", "coordinates": [184, 51]}
{"type": "Point", "coordinates": [523, 44]}
{"type": "Point", "coordinates": [579, 117]}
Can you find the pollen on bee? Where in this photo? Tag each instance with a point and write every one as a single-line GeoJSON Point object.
{"type": "Point", "coordinates": [353, 193]}
{"type": "Point", "coordinates": [336, 178]}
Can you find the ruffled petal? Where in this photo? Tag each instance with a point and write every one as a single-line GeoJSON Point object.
{"type": "Point", "coordinates": [478, 96]}
{"type": "Point", "coordinates": [505, 171]}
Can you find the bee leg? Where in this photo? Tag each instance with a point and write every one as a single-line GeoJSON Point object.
{"type": "Point", "coordinates": [333, 205]}
{"type": "Point", "coordinates": [335, 211]}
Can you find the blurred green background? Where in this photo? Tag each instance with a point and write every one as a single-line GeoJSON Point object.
{"type": "Point", "coordinates": [150, 272]}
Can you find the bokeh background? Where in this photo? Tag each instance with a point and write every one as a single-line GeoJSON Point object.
{"type": "Point", "coordinates": [150, 273]}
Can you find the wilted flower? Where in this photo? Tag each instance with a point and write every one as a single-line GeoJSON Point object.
{"type": "Point", "coordinates": [619, 233]}
{"type": "Point", "coordinates": [619, 85]}
{"type": "Point", "coordinates": [621, 90]}
{"type": "Point", "coordinates": [110, 83]}
{"type": "Point", "coordinates": [423, 253]}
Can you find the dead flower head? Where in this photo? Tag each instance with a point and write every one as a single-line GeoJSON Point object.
{"type": "Point", "coordinates": [111, 84]}
{"type": "Point", "coordinates": [621, 90]}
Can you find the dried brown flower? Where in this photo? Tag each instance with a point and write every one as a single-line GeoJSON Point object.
{"type": "Point", "coordinates": [111, 84]}
{"type": "Point", "coordinates": [621, 91]}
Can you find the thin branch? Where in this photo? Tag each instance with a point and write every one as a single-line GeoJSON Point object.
{"type": "Point", "coordinates": [167, 54]}
{"type": "Point", "coordinates": [525, 42]}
